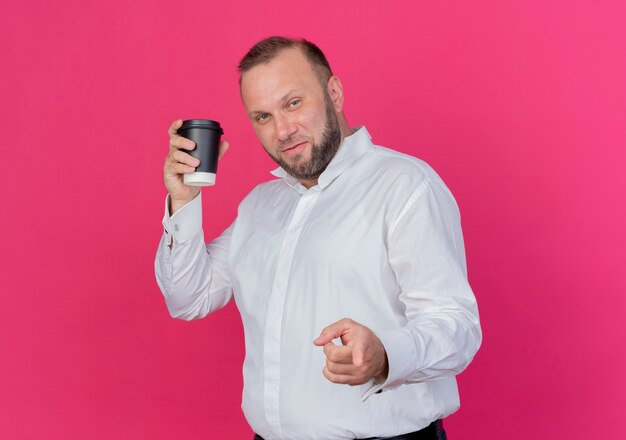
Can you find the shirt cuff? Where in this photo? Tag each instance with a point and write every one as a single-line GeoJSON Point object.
{"type": "Point", "coordinates": [401, 357]}
{"type": "Point", "coordinates": [186, 222]}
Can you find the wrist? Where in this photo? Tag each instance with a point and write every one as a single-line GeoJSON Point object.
{"type": "Point", "coordinates": [176, 204]}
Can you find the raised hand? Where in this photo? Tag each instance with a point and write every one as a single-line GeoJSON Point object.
{"type": "Point", "coordinates": [178, 163]}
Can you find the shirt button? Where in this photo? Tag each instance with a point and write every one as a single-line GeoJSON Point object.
{"type": "Point", "coordinates": [176, 228]}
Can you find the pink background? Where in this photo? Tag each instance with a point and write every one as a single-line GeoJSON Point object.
{"type": "Point", "coordinates": [519, 105]}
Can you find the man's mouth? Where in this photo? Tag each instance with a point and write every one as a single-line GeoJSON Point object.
{"type": "Point", "coordinates": [291, 147]}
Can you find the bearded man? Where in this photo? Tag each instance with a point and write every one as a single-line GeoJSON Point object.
{"type": "Point", "coordinates": [348, 269]}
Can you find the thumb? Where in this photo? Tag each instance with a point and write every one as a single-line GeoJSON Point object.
{"type": "Point", "coordinates": [358, 352]}
{"type": "Point", "coordinates": [224, 145]}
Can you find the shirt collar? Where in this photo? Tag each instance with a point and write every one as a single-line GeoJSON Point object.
{"type": "Point", "coordinates": [350, 150]}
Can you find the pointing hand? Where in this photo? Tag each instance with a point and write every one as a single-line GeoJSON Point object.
{"type": "Point", "coordinates": [361, 356]}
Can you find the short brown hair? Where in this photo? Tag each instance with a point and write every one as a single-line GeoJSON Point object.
{"type": "Point", "coordinates": [267, 49]}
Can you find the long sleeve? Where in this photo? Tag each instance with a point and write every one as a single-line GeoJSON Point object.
{"type": "Point", "coordinates": [193, 276]}
{"type": "Point", "coordinates": [427, 254]}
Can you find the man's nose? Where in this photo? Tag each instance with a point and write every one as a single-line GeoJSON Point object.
{"type": "Point", "coordinates": [284, 127]}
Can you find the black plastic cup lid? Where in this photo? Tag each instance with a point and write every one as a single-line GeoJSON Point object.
{"type": "Point", "coordinates": [201, 123]}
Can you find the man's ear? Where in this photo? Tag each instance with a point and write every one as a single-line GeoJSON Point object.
{"type": "Point", "coordinates": [335, 91]}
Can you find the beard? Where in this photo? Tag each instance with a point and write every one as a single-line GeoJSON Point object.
{"type": "Point", "coordinates": [321, 153]}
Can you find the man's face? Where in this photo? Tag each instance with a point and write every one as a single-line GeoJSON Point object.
{"type": "Point", "coordinates": [292, 114]}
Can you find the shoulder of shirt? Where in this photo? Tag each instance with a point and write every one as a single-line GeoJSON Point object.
{"type": "Point", "coordinates": [395, 163]}
{"type": "Point", "coordinates": [269, 186]}
{"type": "Point", "coordinates": [263, 191]}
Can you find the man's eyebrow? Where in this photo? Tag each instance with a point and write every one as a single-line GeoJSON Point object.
{"type": "Point", "coordinates": [288, 94]}
{"type": "Point", "coordinates": [283, 99]}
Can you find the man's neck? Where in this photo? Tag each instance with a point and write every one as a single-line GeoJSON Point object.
{"type": "Point", "coordinates": [345, 132]}
{"type": "Point", "coordinates": [308, 183]}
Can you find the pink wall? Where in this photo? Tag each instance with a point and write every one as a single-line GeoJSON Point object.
{"type": "Point", "coordinates": [520, 106]}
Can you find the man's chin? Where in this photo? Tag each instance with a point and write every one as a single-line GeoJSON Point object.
{"type": "Point", "coordinates": [299, 169]}
{"type": "Point", "coordinates": [297, 162]}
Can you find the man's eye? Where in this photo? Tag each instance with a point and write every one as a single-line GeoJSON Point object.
{"type": "Point", "coordinates": [295, 103]}
{"type": "Point", "coordinates": [262, 117]}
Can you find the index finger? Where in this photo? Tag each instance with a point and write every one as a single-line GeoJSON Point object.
{"type": "Point", "coordinates": [335, 330]}
{"type": "Point", "coordinates": [173, 130]}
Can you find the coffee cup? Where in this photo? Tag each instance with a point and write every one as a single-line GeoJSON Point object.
{"type": "Point", "coordinates": [206, 134]}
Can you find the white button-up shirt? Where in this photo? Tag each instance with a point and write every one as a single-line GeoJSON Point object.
{"type": "Point", "coordinates": [377, 240]}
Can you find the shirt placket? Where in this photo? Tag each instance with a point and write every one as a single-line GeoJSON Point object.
{"type": "Point", "coordinates": [274, 320]}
